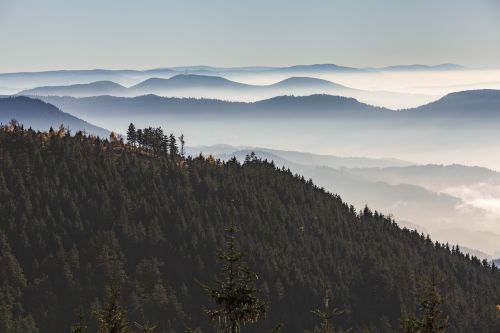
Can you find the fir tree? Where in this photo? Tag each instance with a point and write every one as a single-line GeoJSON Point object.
{"type": "Point", "coordinates": [235, 296]}
{"type": "Point", "coordinates": [112, 317]}
{"type": "Point", "coordinates": [326, 315]}
{"type": "Point", "coordinates": [432, 320]}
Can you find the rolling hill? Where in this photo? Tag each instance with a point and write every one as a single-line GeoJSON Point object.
{"type": "Point", "coordinates": [78, 90]}
{"type": "Point", "coordinates": [436, 199]}
{"type": "Point", "coordinates": [41, 116]}
{"type": "Point", "coordinates": [476, 104]}
{"type": "Point", "coordinates": [468, 104]}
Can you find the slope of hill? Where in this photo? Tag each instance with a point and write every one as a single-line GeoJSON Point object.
{"type": "Point", "coordinates": [190, 81]}
{"type": "Point", "coordinates": [468, 104]}
{"type": "Point", "coordinates": [464, 105]}
{"type": "Point", "coordinates": [78, 213]}
{"type": "Point", "coordinates": [434, 177]}
{"type": "Point", "coordinates": [435, 199]}
{"type": "Point", "coordinates": [315, 68]}
{"type": "Point", "coordinates": [41, 116]}
{"type": "Point", "coordinates": [26, 80]}
{"type": "Point", "coordinates": [78, 90]}
{"type": "Point", "coordinates": [307, 82]}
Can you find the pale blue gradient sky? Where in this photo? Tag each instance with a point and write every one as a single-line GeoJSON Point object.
{"type": "Point", "coordinates": [63, 34]}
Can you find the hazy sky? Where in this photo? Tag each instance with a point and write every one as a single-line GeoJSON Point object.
{"type": "Point", "coordinates": [62, 34]}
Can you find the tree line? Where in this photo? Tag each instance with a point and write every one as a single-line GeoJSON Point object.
{"type": "Point", "coordinates": [154, 140]}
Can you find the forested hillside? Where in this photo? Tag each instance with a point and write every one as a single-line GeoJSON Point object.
{"type": "Point", "coordinates": [77, 211]}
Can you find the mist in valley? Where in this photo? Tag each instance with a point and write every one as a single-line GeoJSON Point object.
{"type": "Point", "coordinates": [239, 107]}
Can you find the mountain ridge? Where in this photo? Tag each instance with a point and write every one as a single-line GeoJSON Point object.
{"type": "Point", "coordinates": [41, 115]}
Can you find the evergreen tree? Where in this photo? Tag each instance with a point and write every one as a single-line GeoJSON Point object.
{"type": "Point", "coordinates": [326, 315]}
{"type": "Point", "coordinates": [140, 138]}
{"type": "Point", "coordinates": [174, 149]}
{"type": "Point", "coordinates": [234, 296]}
{"type": "Point", "coordinates": [182, 142]}
{"type": "Point", "coordinates": [112, 317]}
{"type": "Point", "coordinates": [432, 320]}
{"type": "Point", "coordinates": [131, 135]}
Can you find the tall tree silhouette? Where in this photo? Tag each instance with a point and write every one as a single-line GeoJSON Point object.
{"type": "Point", "coordinates": [234, 296]}
{"type": "Point", "coordinates": [131, 135]}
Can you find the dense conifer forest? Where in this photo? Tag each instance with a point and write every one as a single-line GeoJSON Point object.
{"type": "Point", "coordinates": [80, 216]}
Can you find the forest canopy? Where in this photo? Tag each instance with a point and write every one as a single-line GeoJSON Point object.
{"type": "Point", "coordinates": [78, 212]}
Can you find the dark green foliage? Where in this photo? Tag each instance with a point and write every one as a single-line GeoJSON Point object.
{"type": "Point", "coordinates": [431, 320]}
{"type": "Point", "coordinates": [74, 211]}
{"type": "Point", "coordinates": [326, 316]}
{"type": "Point", "coordinates": [112, 317]}
{"type": "Point", "coordinates": [235, 296]}
{"type": "Point", "coordinates": [131, 135]}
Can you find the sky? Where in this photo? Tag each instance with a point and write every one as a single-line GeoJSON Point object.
{"type": "Point", "coordinates": [83, 34]}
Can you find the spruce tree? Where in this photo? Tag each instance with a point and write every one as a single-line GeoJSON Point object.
{"type": "Point", "coordinates": [326, 315]}
{"type": "Point", "coordinates": [432, 319]}
{"type": "Point", "coordinates": [235, 296]}
{"type": "Point", "coordinates": [112, 318]}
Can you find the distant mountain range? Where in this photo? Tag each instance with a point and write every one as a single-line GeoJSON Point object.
{"type": "Point", "coordinates": [29, 80]}
{"type": "Point", "coordinates": [318, 106]}
{"type": "Point", "coordinates": [418, 67]}
{"type": "Point", "coordinates": [41, 116]}
{"type": "Point", "coordinates": [467, 104]}
{"type": "Point", "coordinates": [195, 86]}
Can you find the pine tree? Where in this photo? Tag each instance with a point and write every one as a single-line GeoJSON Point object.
{"type": "Point", "coordinates": [112, 317]}
{"type": "Point", "coordinates": [234, 296]}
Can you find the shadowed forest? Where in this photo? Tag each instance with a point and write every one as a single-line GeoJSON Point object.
{"type": "Point", "coordinates": [91, 225]}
